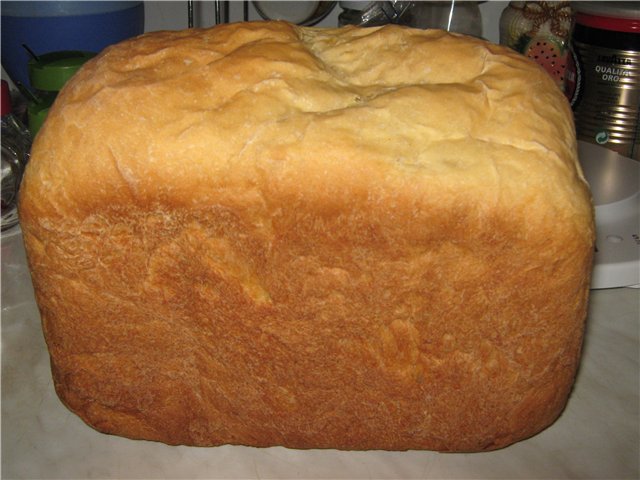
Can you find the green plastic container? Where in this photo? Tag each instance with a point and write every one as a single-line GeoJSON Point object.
{"type": "Point", "coordinates": [48, 73]}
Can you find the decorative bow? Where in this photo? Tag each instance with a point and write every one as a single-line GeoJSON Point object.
{"type": "Point", "coordinates": [559, 15]}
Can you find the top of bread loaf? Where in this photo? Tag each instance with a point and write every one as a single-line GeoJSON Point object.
{"type": "Point", "coordinates": [170, 117]}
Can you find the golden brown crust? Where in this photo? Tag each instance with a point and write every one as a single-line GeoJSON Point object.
{"type": "Point", "coordinates": [264, 234]}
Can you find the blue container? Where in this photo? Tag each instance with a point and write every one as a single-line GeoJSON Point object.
{"type": "Point", "coordinates": [48, 26]}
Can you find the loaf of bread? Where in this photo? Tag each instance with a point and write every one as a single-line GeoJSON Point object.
{"type": "Point", "coordinates": [264, 234]}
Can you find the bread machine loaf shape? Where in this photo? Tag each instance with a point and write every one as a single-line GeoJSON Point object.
{"type": "Point", "coordinates": [264, 234]}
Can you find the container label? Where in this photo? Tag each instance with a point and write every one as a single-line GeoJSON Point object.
{"type": "Point", "coordinates": [604, 89]}
{"type": "Point", "coordinates": [611, 74]}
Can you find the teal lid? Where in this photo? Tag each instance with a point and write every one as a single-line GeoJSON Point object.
{"type": "Point", "coordinates": [49, 72]}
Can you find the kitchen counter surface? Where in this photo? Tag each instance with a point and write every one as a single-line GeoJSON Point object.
{"type": "Point", "coordinates": [597, 436]}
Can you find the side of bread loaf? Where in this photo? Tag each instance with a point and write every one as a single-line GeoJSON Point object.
{"type": "Point", "coordinates": [264, 234]}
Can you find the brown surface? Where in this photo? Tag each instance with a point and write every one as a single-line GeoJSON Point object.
{"type": "Point", "coordinates": [267, 235]}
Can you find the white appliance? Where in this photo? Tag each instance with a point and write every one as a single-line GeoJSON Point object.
{"type": "Point", "coordinates": [615, 187]}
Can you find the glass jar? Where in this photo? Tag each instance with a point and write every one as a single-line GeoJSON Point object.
{"type": "Point", "coordinates": [16, 144]}
{"type": "Point", "coordinates": [452, 16]}
{"type": "Point", "coordinates": [372, 14]}
{"type": "Point", "coordinates": [542, 32]}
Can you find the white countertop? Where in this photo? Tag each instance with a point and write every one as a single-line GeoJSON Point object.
{"type": "Point", "coordinates": [597, 436]}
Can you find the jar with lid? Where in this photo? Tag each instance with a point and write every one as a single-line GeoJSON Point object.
{"type": "Point", "coordinates": [542, 32]}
